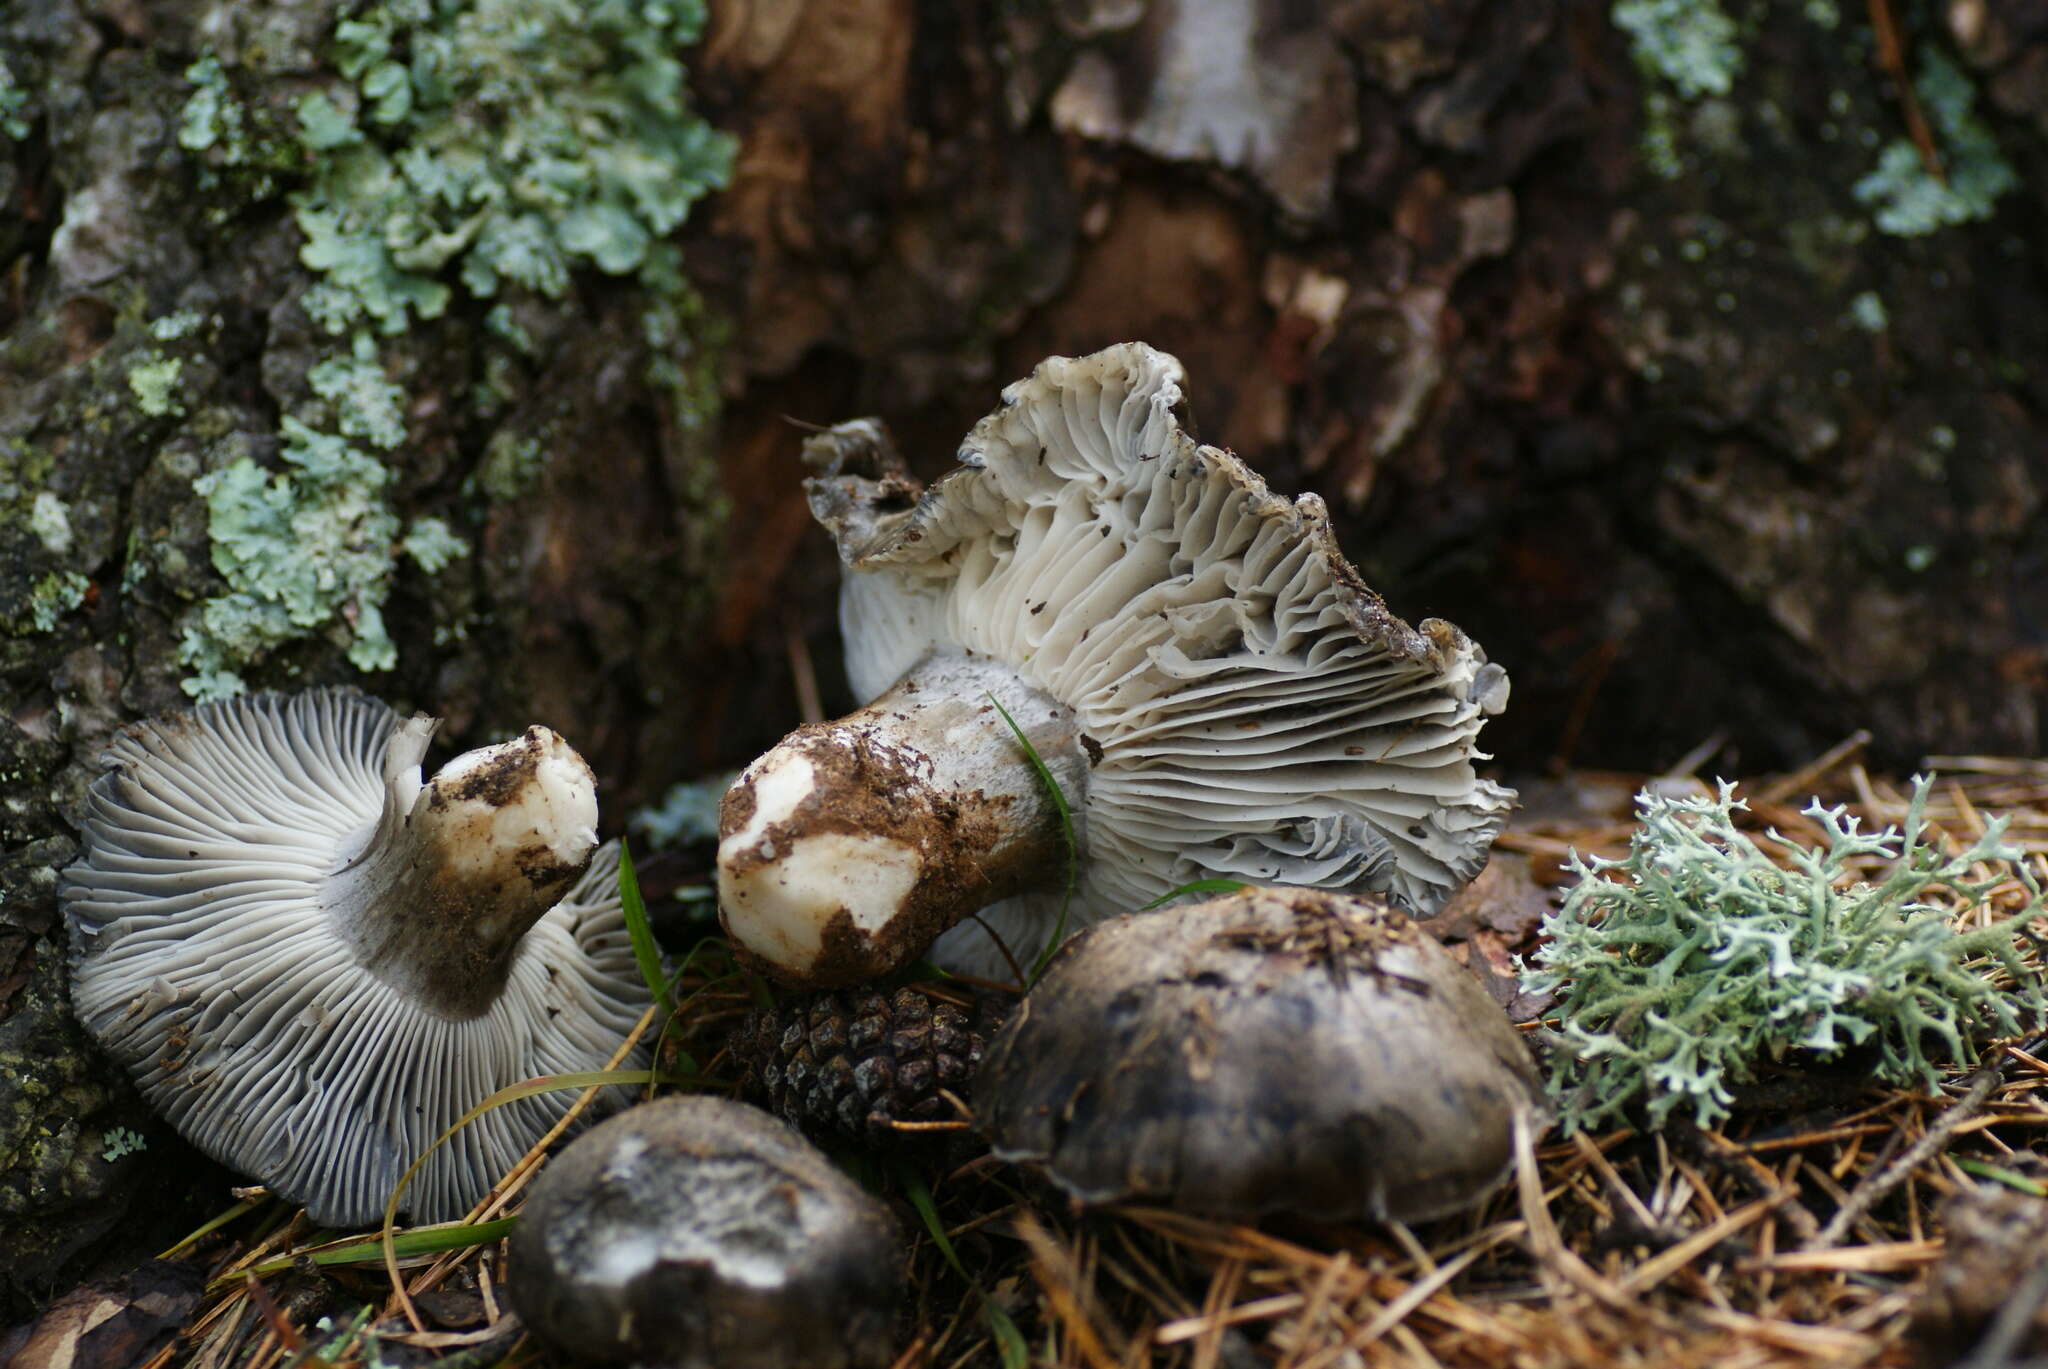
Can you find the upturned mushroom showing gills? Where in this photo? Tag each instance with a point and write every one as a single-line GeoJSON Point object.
{"type": "Point", "coordinates": [312, 963]}
{"type": "Point", "coordinates": [1274, 1050]}
{"type": "Point", "coordinates": [1208, 681]}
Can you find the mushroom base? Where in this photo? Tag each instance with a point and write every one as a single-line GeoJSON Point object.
{"type": "Point", "coordinates": [436, 900]}
{"type": "Point", "coordinates": [852, 844]}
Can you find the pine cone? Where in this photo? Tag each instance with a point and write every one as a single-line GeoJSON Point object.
{"type": "Point", "coordinates": [851, 1062]}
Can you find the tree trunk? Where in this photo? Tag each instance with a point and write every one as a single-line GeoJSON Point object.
{"type": "Point", "coordinates": [1637, 370]}
{"type": "Point", "coordinates": [1606, 341]}
{"type": "Point", "coordinates": [501, 511]}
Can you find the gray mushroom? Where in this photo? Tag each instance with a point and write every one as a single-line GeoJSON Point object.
{"type": "Point", "coordinates": [312, 963]}
{"type": "Point", "coordinates": [1275, 1050]}
{"type": "Point", "coordinates": [700, 1233]}
{"type": "Point", "coordinates": [1207, 679]}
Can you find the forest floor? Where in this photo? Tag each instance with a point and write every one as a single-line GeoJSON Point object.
{"type": "Point", "coordinates": [1827, 1222]}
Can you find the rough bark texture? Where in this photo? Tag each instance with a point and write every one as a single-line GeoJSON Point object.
{"type": "Point", "coordinates": [1697, 455]}
{"type": "Point", "coordinates": [153, 330]}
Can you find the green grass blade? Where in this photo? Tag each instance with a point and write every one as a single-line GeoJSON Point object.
{"type": "Point", "coordinates": [645, 952]}
{"type": "Point", "coordinates": [1200, 886]}
{"type": "Point", "coordinates": [425, 1240]}
{"type": "Point", "coordinates": [511, 1093]}
{"type": "Point", "coordinates": [1066, 815]}
{"type": "Point", "coordinates": [215, 1224]}
{"type": "Point", "coordinates": [1010, 1343]}
{"type": "Point", "coordinates": [682, 1008]}
{"type": "Point", "coordinates": [2010, 1178]}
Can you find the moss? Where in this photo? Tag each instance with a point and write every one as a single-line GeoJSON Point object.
{"type": "Point", "coordinates": [52, 1163]}
{"type": "Point", "coordinates": [242, 155]}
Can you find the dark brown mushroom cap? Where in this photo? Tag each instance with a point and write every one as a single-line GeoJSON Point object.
{"type": "Point", "coordinates": [700, 1233]}
{"type": "Point", "coordinates": [1275, 1050]}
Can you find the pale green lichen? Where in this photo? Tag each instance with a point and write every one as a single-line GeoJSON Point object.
{"type": "Point", "coordinates": [154, 380]}
{"type": "Point", "coordinates": [512, 465]}
{"type": "Point", "coordinates": [1867, 312]}
{"type": "Point", "coordinates": [1907, 198]}
{"type": "Point", "coordinates": [50, 598]}
{"type": "Point", "coordinates": [497, 144]}
{"type": "Point", "coordinates": [171, 327]}
{"type": "Point", "coordinates": [13, 100]}
{"type": "Point", "coordinates": [309, 548]}
{"type": "Point", "coordinates": [49, 518]}
{"type": "Point", "coordinates": [1706, 958]}
{"type": "Point", "coordinates": [211, 116]}
{"type": "Point", "coordinates": [505, 140]}
{"type": "Point", "coordinates": [432, 545]}
{"type": "Point", "coordinates": [1689, 44]}
{"type": "Point", "coordinates": [122, 1141]}
{"type": "Point", "coordinates": [366, 403]}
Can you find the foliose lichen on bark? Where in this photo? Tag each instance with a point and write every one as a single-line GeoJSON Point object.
{"type": "Point", "coordinates": [505, 145]}
{"type": "Point", "coordinates": [1692, 52]}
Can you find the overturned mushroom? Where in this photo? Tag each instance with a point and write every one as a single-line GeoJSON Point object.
{"type": "Point", "coordinates": [1275, 1050]}
{"type": "Point", "coordinates": [698, 1233]}
{"type": "Point", "coordinates": [1203, 674]}
{"type": "Point", "coordinates": [312, 963]}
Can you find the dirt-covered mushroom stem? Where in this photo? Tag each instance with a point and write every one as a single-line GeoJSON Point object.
{"type": "Point", "coordinates": [435, 898]}
{"type": "Point", "coordinates": [1245, 706]}
{"type": "Point", "coordinates": [852, 844]}
{"type": "Point", "coordinates": [314, 963]}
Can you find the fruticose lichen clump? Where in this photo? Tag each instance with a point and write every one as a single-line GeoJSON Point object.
{"type": "Point", "coordinates": [1707, 958]}
{"type": "Point", "coordinates": [473, 148]}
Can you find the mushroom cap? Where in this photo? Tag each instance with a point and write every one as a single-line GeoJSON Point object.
{"type": "Point", "coordinates": [700, 1233]}
{"type": "Point", "coordinates": [205, 960]}
{"type": "Point", "coordinates": [1275, 1050]}
{"type": "Point", "coordinates": [1252, 708]}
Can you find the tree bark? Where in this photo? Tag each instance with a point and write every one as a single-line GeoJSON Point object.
{"type": "Point", "coordinates": [154, 333]}
{"type": "Point", "coordinates": [1695, 455]}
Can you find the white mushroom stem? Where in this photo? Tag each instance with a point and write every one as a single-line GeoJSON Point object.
{"type": "Point", "coordinates": [435, 897]}
{"type": "Point", "coordinates": [852, 844]}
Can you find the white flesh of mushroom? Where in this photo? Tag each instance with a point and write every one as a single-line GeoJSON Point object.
{"type": "Point", "coordinates": [852, 844]}
{"type": "Point", "coordinates": [1248, 707]}
{"type": "Point", "coordinates": [273, 934]}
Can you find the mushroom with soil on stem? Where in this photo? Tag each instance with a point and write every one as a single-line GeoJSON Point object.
{"type": "Point", "coordinates": [1271, 1051]}
{"type": "Point", "coordinates": [313, 963]}
{"type": "Point", "coordinates": [1200, 671]}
